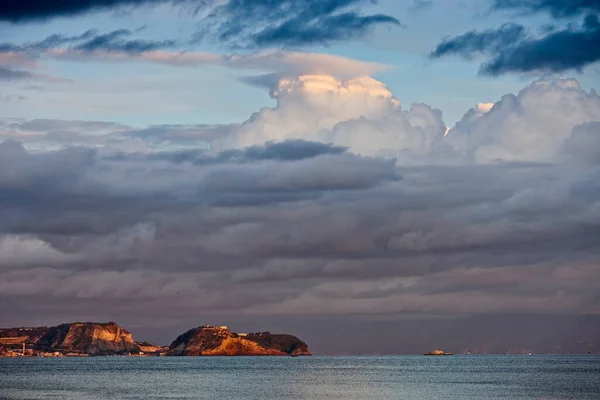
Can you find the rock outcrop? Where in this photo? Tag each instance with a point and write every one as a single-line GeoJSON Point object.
{"type": "Point", "coordinates": [88, 338]}
{"type": "Point", "coordinates": [220, 341]}
{"type": "Point", "coordinates": [438, 353]}
{"type": "Point", "coordinates": [149, 348]}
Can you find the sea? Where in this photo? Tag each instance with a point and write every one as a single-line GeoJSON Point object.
{"type": "Point", "coordinates": [314, 378]}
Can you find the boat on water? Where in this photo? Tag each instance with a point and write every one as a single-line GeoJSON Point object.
{"type": "Point", "coordinates": [438, 353]}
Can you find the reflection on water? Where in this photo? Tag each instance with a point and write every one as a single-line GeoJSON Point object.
{"type": "Point", "coordinates": [314, 378]}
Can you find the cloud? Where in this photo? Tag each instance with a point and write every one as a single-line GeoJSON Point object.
{"type": "Point", "coordinates": [488, 41]}
{"type": "Point", "coordinates": [114, 41]}
{"type": "Point", "coordinates": [361, 114]}
{"type": "Point", "coordinates": [512, 48]}
{"type": "Point", "coordinates": [10, 74]}
{"type": "Point", "coordinates": [119, 46]}
{"type": "Point", "coordinates": [584, 143]}
{"type": "Point", "coordinates": [47, 43]}
{"type": "Point", "coordinates": [266, 23]}
{"type": "Point", "coordinates": [89, 41]}
{"type": "Point", "coordinates": [16, 250]}
{"type": "Point", "coordinates": [289, 23]}
{"type": "Point", "coordinates": [283, 63]}
{"type": "Point", "coordinates": [336, 201]}
{"type": "Point", "coordinates": [556, 52]}
{"type": "Point", "coordinates": [531, 126]}
{"type": "Point", "coordinates": [556, 8]}
{"type": "Point", "coordinates": [15, 11]}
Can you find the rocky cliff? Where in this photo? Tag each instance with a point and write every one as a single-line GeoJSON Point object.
{"type": "Point", "coordinates": [220, 341]}
{"type": "Point", "coordinates": [89, 338]}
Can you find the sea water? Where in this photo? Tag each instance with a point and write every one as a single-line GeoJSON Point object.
{"type": "Point", "coordinates": [315, 378]}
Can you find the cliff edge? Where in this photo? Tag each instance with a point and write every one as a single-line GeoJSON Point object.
{"type": "Point", "coordinates": [88, 338]}
{"type": "Point", "coordinates": [220, 341]}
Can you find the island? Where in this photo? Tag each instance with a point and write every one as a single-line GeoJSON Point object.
{"type": "Point", "coordinates": [438, 353]}
{"type": "Point", "coordinates": [81, 339]}
{"type": "Point", "coordinates": [210, 340]}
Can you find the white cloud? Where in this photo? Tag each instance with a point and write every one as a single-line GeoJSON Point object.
{"type": "Point", "coordinates": [360, 113]}
{"type": "Point", "coordinates": [531, 126]}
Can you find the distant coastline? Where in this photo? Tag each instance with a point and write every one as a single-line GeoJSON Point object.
{"type": "Point", "coordinates": [83, 339]}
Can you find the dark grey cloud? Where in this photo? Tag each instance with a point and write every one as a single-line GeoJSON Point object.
{"type": "Point", "coordinates": [487, 41]}
{"type": "Point", "coordinates": [236, 23]}
{"type": "Point", "coordinates": [297, 32]}
{"type": "Point", "coordinates": [558, 51]}
{"type": "Point", "coordinates": [556, 8]}
{"type": "Point", "coordinates": [289, 23]}
{"type": "Point", "coordinates": [16, 11]}
{"type": "Point", "coordinates": [48, 43]}
{"type": "Point", "coordinates": [513, 49]}
{"type": "Point", "coordinates": [9, 74]}
{"type": "Point", "coordinates": [89, 41]}
{"type": "Point", "coordinates": [117, 41]}
{"type": "Point", "coordinates": [289, 150]}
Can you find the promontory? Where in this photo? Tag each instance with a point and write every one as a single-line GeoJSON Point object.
{"type": "Point", "coordinates": [102, 339]}
{"type": "Point", "coordinates": [219, 341]}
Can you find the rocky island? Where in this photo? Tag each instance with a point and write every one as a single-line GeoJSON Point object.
{"type": "Point", "coordinates": [438, 353]}
{"type": "Point", "coordinates": [219, 341]}
{"type": "Point", "coordinates": [103, 339]}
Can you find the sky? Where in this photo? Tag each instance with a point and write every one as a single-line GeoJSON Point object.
{"type": "Point", "coordinates": [356, 172]}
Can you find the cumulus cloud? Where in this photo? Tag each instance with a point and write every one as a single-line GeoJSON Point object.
{"type": "Point", "coordinates": [360, 113]}
{"type": "Point", "coordinates": [584, 143]}
{"type": "Point", "coordinates": [531, 126]}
